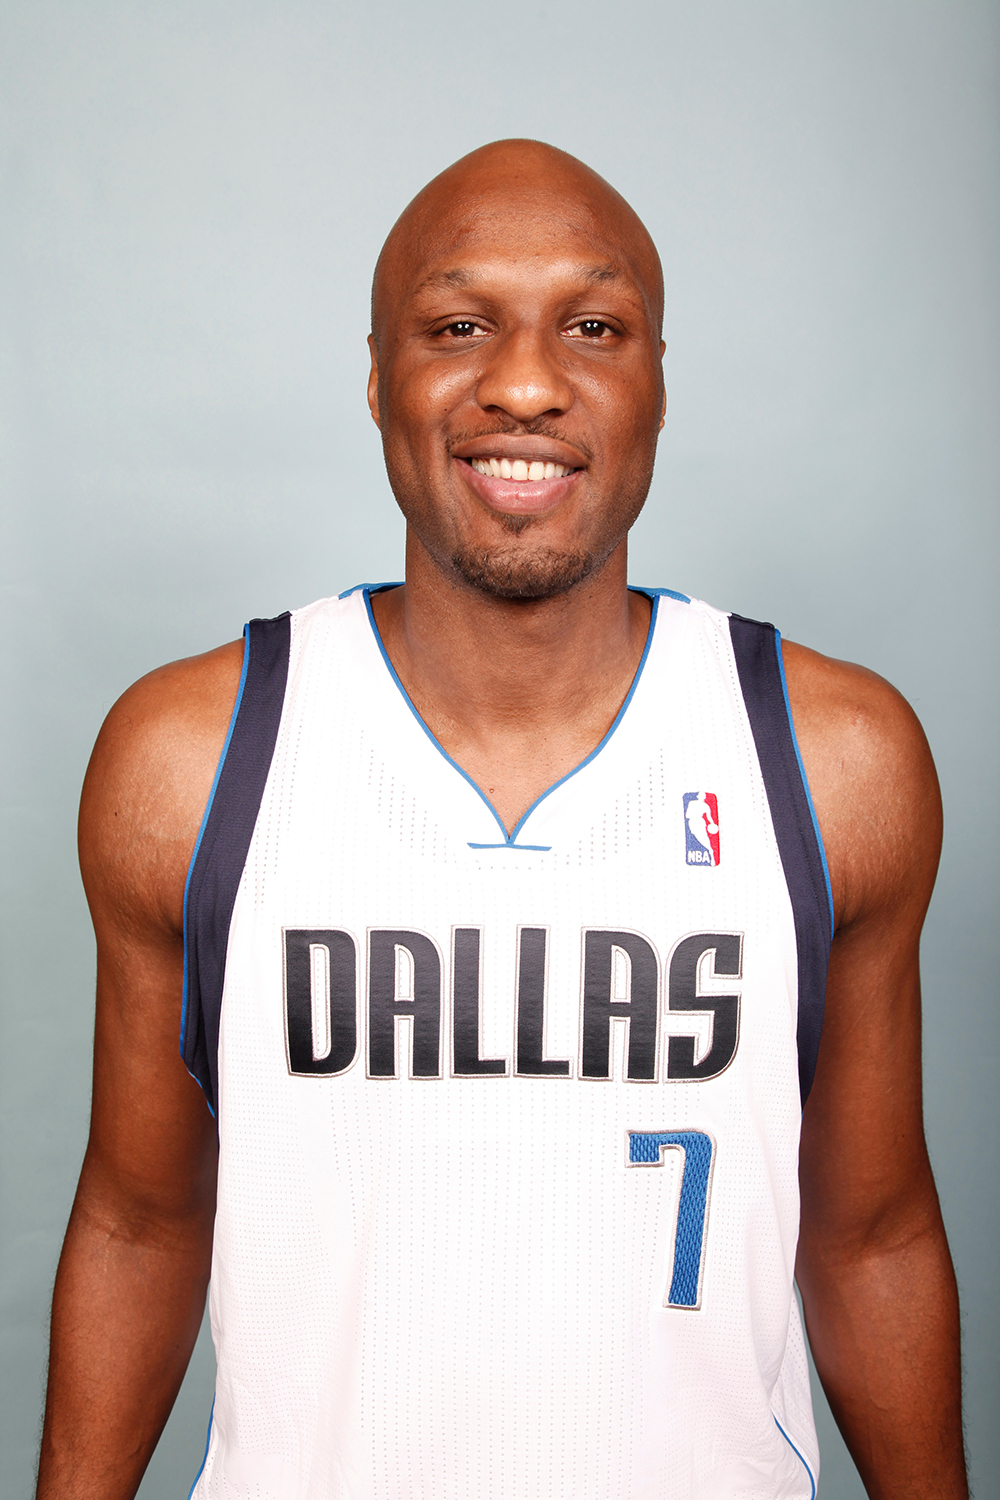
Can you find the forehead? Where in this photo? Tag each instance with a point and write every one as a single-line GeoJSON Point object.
{"type": "Point", "coordinates": [493, 238]}
{"type": "Point", "coordinates": [482, 274]}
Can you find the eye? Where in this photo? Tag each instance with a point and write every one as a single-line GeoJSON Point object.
{"type": "Point", "coordinates": [464, 328]}
{"type": "Point", "coordinates": [591, 328]}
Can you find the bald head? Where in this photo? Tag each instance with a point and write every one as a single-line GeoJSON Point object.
{"type": "Point", "coordinates": [516, 371]}
{"type": "Point", "coordinates": [500, 187]}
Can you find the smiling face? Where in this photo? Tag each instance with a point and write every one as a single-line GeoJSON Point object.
{"type": "Point", "coordinates": [516, 369]}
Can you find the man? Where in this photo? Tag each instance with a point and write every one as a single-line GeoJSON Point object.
{"type": "Point", "coordinates": [507, 1063]}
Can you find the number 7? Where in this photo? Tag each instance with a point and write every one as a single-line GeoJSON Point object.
{"type": "Point", "coordinates": [645, 1149]}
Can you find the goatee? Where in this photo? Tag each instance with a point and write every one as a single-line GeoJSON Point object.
{"type": "Point", "coordinates": [540, 574]}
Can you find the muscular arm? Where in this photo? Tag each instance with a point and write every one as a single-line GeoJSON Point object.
{"type": "Point", "coordinates": [873, 1263]}
{"type": "Point", "coordinates": [131, 1284]}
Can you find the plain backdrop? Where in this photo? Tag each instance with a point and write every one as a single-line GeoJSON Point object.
{"type": "Point", "coordinates": [193, 195]}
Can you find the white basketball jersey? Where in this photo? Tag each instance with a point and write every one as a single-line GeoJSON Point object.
{"type": "Point", "coordinates": [508, 1125]}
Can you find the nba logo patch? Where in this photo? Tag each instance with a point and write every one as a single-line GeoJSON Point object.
{"type": "Point", "coordinates": [701, 828]}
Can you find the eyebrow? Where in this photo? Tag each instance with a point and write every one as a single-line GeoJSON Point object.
{"type": "Point", "coordinates": [456, 278]}
{"type": "Point", "coordinates": [609, 272]}
{"type": "Point", "coordinates": [459, 277]}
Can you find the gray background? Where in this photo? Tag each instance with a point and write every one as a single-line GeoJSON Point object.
{"type": "Point", "coordinates": [193, 197]}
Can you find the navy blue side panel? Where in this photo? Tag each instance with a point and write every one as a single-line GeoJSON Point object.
{"type": "Point", "coordinates": [221, 850]}
{"type": "Point", "coordinates": [758, 660]}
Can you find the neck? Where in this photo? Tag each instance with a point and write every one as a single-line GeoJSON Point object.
{"type": "Point", "coordinates": [517, 692]}
{"type": "Point", "coordinates": [487, 662]}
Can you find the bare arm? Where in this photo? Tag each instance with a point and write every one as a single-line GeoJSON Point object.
{"type": "Point", "coordinates": [130, 1289]}
{"type": "Point", "coordinates": [873, 1264]}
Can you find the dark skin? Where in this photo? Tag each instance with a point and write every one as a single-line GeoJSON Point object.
{"type": "Point", "coordinates": [517, 640]}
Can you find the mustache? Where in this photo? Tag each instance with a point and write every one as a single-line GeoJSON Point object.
{"type": "Point", "coordinates": [538, 427]}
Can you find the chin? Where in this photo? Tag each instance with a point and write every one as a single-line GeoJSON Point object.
{"type": "Point", "coordinates": [542, 574]}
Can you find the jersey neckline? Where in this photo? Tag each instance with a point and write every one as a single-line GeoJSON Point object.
{"type": "Point", "coordinates": [509, 840]}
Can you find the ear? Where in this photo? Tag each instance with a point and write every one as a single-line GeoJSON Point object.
{"type": "Point", "coordinates": [663, 409]}
{"type": "Point", "coordinates": [373, 383]}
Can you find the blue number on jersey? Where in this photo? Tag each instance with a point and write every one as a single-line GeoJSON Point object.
{"type": "Point", "coordinates": [645, 1149]}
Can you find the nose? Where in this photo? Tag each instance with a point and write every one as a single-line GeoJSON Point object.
{"type": "Point", "coordinates": [524, 378]}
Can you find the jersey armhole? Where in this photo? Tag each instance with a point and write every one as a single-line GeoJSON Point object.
{"type": "Point", "coordinates": [805, 781]}
{"type": "Point", "coordinates": [757, 650]}
{"type": "Point", "coordinates": [223, 842]}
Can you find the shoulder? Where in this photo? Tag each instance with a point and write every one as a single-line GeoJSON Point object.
{"type": "Point", "coordinates": [872, 780]}
{"type": "Point", "coordinates": [148, 782]}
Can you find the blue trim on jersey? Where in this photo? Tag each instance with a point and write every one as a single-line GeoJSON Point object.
{"type": "Point", "coordinates": [805, 782]}
{"type": "Point", "coordinates": [618, 718]}
{"type": "Point", "coordinates": [201, 832]}
{"type": "Point", "coordinates": [539, 848]}
{"type": "Point", "coordinates": [798, 1455]}
{"type": "Point", "coordinates": [667, 593]}
{"type": "Point", "coordinates": [413, 710]}
{"type": "Point", "coordinates": [509, 839]}
{"type": "Point", "coordinates": [369, 588]}
{"type": "Point", "coordinates": [204, 1461]}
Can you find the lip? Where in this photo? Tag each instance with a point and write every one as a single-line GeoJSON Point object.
{"type": "Point", "coordinates": [509, 445]}
{"type": "Point", "coordinates": [518, 497]}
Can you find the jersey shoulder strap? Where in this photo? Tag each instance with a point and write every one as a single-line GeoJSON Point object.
{"type": "Point", "coordinates": [224, 840]}
{"type": "Point", "coordinates": [757, 649]}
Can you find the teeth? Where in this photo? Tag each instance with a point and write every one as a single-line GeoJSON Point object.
{"type": "Point", "coordinates": [521, 469]}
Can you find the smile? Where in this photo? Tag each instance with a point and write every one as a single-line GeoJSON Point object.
{"type": "Point", "coordinates": [525, 485]}
{"type": "Point", "coordinates": [521, 469]}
